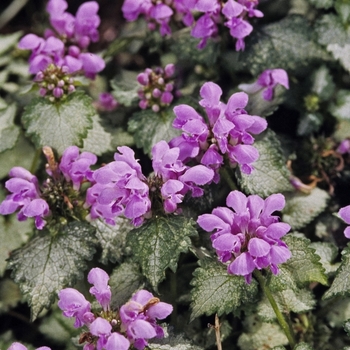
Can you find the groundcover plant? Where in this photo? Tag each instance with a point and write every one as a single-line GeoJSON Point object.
{"type": "Point", "coordinates": [175, 174]}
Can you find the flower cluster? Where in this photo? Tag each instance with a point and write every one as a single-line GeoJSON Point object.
{"type": "Point", "coordinates": [157, 87]}
{"type": "Point", "coordinates": [19, 346]}
{"type": "Point", "coordinates": [120, 188]}
{"type": "Point", "coordinates": [234, 14]}
{"type": "Point", "coordinates": [249, 236]}
{"type": "Point", "coordinates": [133, 324]}
{"type": "Point", "coordinates": [175, 178]}
{"type": "Point", "coordinates": [34, 202]}
{"type": "Point", "coordinates": [228, 131]}
{"type": "Point", "coordinates": [66, 45]}
{"type": "Point", "coordinates": [25, 196]}
{"type": "Point", "coordinates": [267, 82]}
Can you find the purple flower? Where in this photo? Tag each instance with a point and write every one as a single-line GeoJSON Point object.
{"type": "Point", "coordinates": [344, 147]}
{"type": "Point", "coordinates": [120, 189]}
{"type": "Point", "coordinates": [228, 131]}
{"type": "Point", "coordinates": [101, 290]}
{"type": "Point", "coordinates": [267, 82]}
{"type": "Point", "coordinates": [139, 317]}
{"type": "Point", "coordinates": [74, 304]}
{"type": "Point", "coordinates": [249, 236]}
{"type": "Point", "coordinates": [117, 342]}
{"type": "Point", "coordinates": [177, 178]}
{"type": "Point", "coordinates": [77, 32]}
{"type": "Point", "coordinates": [102, 329]}
{"type": "Point", "coordinates": [76, 167]}
{"type": "Point", "coordinates": [107, 102]}
{"type": "Point", "coordinates": [344, 213]}
{"type": "Point", "coordinates": [25, 197]}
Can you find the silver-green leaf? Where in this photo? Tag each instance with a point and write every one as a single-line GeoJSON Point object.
{"type": "Point", "coordinates": [271, 174]}
{"type": "Point", "coordinates": [59, 125]}
{"type": "Point", "coordinates": [157, 244]}
{"type": "Point", "coordinates": [49, 263]}
{"type": "Point", "coordinates": [215, 291]}
{"type": "Point", "coordinates": [301, 208]}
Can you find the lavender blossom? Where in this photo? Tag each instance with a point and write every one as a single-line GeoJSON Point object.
{"type": "Point", "coordinates": [344, 213]}
{"type": "Point", "coordinates": [234, 14]}
{"type": "Point", "coordinates": [134, 323]}
{"type": "Point", "coordinates": [249, 236]}
{"type": "Point", "coordinates": [74, 304]}
{"type": "Point", "coordinates": [267, 82]}
{"type": "Point", "coordinates": [176, 178]}
{"type": "Point", "coordinates": [344, 147]}
{"type": "Point", "coordinates": [139, 317]}
{"type": "Point", "coordinates": [107, 102]}
{"type": "Point", "coordinates": [120, 189]}
{"type": "Point", "coordinates": [228, 131]}
{"type": "Point", "coordinates": [25, 197]}
{"type": "Point", "coordinates": [75, 166]}
{"type": "Point", "coordinates": [71, 53]}
{"type": "Point", "coordinates": [101, 290]}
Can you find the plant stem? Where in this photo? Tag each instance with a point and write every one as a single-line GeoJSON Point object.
{"type": "Point", "coordinates": [217, 332]}
{"type": "Point", "coordinates": [225, 174]}
{"type": "Point", "coordinates": [280, 318]}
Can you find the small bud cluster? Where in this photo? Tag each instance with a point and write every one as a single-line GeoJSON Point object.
{"type": "Point", "coordinates": [157, 89]}
{"type": "Point", "coordinates": [130, 326]}
{"type": "Point", "coordinates": [54, 82]}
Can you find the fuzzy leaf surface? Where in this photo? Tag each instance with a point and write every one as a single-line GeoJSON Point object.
{"type": "Point", "coordinates": [22, 154]}
{"type": "Point", "coordinates": [112, 238]}
{"type": "Point", "coordinates": [12, 235]}
{"type": "Point", "coordinates": [157, 244]}
{"type": "Point", "coordinates": [149, 128]}
{"type": "Point", "coordinates": [328, 253]}
{"type": "Point", "coordinates": [9, 132]}
{"type": "Point", "coordinates": [8, 41]}
{"type": "Point", "coordinates": [330, 30]}
{"type": "Point", "coordinates": [287, 43]}
{"type": "Point", "coordinates": [340, 109]}
{"type": "Point", "coordinates": [271, 174]}
{"type": "Point", "coordinates": [215, 291]}
{"type": "Point", "coordinates": [98, 140]}
{"type": "Point", "coordinates": [49, 263]}
{"type": "Point", "coordinates": [301, 208]}
{"type": "Point", "coordinates": [304, 265]}
{"type": "Point", "coordinates": [341, 283]}
{"type": "Point", "coordinates": [185, 48]}
{"type": "Point", "coordinates": [125, 87]}
{"type": "Point", "coordinates": [321, 4]}
{"type": "Point", "coordinates": [173, 343]}
{"type": "Point", "coordinates": [124, 281]}
{"type": "Point", "coordinates": [261, 335]}
{"type": "Point", "coordinates": [59, 126]}
{"type": "Point", "coordinates": [298, 301]}
{"type": "Point", "coordinates": [322, 83]}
